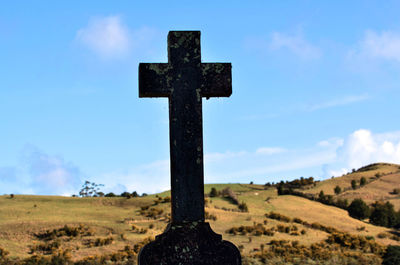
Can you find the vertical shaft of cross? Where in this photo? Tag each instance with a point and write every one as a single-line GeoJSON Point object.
{"type": "Point", "coordinates": [187, 187]}
{"type": "Point", "coordinates": [186, 128]}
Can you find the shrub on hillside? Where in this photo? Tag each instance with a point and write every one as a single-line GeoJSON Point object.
{"type": "Point", "coordinates": [230, 194]}
{"type": "Point", "coordinates": [358, 209]}
{"type": "Point", "coordinates": [391, 256]}
{"type": "Point", "coordinates": [342, 203]}
{"type": "Point", "coordinates": [255, 230]}
{"type": "Point", "coordinates": [213, 192]}
{"type": "Point", "coordinates": [353, 184]}
{"type": "Point", "coordinates": [209, 216]}
{"type": "Point", "coordinates": [278, 216]}
{"type": "Point", "coordinates": [383, 214]}
{"type": "Point", "coordinates": [243, 207]}
{"type": "Point", "coordinates": [396, 191]}
{"type": "Point", "coordinates": [363, 181]}
{"type": "Point", "coordinates": [3, 253]}
{"type": "Point", "coordinates": [337, 190]}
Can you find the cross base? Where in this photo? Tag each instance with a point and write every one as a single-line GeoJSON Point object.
{"type": "Point", "coordinates": [191, 243]}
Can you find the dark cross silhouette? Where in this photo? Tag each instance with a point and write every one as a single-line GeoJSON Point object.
{"type": "Point", "coordinates": [185, 80]}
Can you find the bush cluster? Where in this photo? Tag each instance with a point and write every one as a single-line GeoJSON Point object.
{"type": "Point", "coordinates": [382, 214]}
{"type": "Point", "coordinates": [151, 212]}
{"type": "Point", "coordinates": [98, 242]}
{"type": "Point", "coordinates": [243, 207]}
{"type": "Point", "coordinates": [162, 200]}
{"type": "Point", "coordinates": [230, 195]}
{"type": "Point", "coordinates": [294, 184]}
{"type": "Point", "coordinates": [391, 256]}
{"type": "Point", "coordinates": [279, 217]}
{"type": "Point", "coordinates": [138, 230]}
{"type": "Point", "coordinates": [355, 242]}
{"type": "Point", "coordinates": [3, 253]}
{"type": "Point", "coordinates": [292, 252]}
{"type": "Point", "coordinates": [209, 216]}
{"type": "Point", "coordinates": [126, 256]}
{"type": "Point", "coordinates": [69, 231]}
{"type": "Point", "coordinates": [255, 230]}
{"type": "Point", "coordinates": [316, 226]}
{"type": "Point", "coordinates": [46, 247]}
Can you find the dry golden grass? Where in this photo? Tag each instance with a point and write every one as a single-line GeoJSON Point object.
{"type": "Point", "coordinates": [24, 216]}
{"type": "Point", "coordinates": [376, 189]}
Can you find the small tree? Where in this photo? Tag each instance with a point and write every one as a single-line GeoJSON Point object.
{"type": "Point", "coordinates": [358, 209]}
{"type": "Point", "coordinates": [110, 194]}
{"type": "Point", "coordinates": [342, 203]}
{"type": "Point", "coordinates": [230, 194]}
{"type": "Point", "coordinates": [363, 181]}
{"type": "Point", "coordinates": [280, 189]}
{"type": "Point", "coordinates": [213, 192]}
{"type": "Point", "coordinates": [125, 194]}
{"type": "Point", "coordinates": [337, 190]}
{"type": "Point", "coordinates": [90, 189]}
{"type": "Point", "coordinates": [243, 207]}
{"type": "Point", "coordinates": [353, 184]}
{"type": "Point", "coordinates": [383, 214]}
{"type": "Point", "coordinates": [321, 195]}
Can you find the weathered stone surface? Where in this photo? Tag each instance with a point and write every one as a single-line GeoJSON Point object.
{"type": "Point", "coordinates": [185, 80]}
{"type": "Point", "coordinates": [190, 243]}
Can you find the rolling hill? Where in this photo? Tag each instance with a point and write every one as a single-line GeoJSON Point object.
{"type": "Point", "coordinates": [282, 228]}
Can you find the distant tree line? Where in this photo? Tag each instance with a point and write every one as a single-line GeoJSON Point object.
{"type": "Point", "coordinates": [91, 189]}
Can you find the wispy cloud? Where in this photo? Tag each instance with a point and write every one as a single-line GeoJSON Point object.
{"type": "Point", "coordinates": [384, 45]}
{"type": "Point", "coordinates": [40, 173]}
{"type": "Point", "coordinates": [295, 44]}
{"type": "Point", "coordinates": [375, 51]}
{"type": "Point", "coordinates": [337, 102]}
{"type": "Point", "coordinates": [150, 178]}
{"type": "Point", "coordinates": [290, 109]}
{"type": "Point", "coordinates": [106, 36]}
{"type": "Point", "coordinates": [270, 150]}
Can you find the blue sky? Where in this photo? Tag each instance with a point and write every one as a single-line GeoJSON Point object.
{"type": "Point", "coordinates": [316, 87]}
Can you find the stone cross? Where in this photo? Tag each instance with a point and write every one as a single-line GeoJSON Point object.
{"type": "Point", "coordinates": [185, 80]}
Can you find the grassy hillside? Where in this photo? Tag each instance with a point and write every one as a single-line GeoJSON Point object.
{"type": "Point", "coordinates": [381, 180]}
{"type": "Point", "coordinates": [35, 225]}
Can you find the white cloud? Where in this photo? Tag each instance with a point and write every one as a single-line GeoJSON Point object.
{"type": "Point", "coordinates": [110, 38]}
{"type": "Point", "coordinates": [148, 178]}
{"type": "Point", "coordinates": [385, 45]}
{"type": "Point", "coordinates": [40, 173]}
{"type": "Point", "coordinates": [338, 102]}
{"type": "Point", "coordinates": [49, 174]}
{"type": "Point", "coordinates": [107, 36]}
{"type": "Point", "coordinates": [363, 147]}
{"type": "Point", "coordinates": [270, 150]}
{"type": "Point", "coordinates": [332, 143]}
{"type": "Point", "coordinates": [215, 157]}
{"type": "Point", "coordinates": [295, 44]}
{"type": "Point", "coordinates": [375, 50]}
